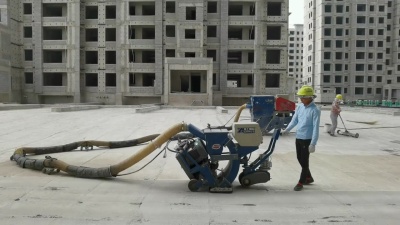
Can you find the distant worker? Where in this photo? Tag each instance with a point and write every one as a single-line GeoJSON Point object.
{"type": "Point", "coordinates": [335, 111]}
{"type": "Point", "coordinates": [306, 117]}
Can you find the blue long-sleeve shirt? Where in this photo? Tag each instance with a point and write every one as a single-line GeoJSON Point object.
{"type": "Point", "coordinates": [307, 120]}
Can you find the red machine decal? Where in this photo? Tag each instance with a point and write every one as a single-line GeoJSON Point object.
{"type": "Point", "coordinates": [216, 146]}
{"type": "Point", "coordinates": [282, 104]}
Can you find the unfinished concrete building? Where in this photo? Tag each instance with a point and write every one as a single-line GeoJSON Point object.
{"type": "Point", "coordinates": [352, 48]}
{"type": "Point", "coordinates": [181, 52]}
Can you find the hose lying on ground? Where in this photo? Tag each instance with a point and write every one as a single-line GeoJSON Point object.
{"type": "Point", "coordinates": [50, 164]}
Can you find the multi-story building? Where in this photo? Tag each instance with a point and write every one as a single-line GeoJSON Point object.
{"type": "Point", "coordinates": [352, 48]}
{"type": "Point", "coordinates": [5, 56]}
{"type": "Point", "coordinates": [295, 56]}
{"type": "Point", "coordinates": [150, 51]}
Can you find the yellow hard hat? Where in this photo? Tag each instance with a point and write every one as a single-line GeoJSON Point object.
{"type": "Point", "coordinates": [306, 91]}
{"type": "Point", "coordinates": [339, 96]}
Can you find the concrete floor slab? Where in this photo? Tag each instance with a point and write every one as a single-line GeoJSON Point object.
{"type": "Point", "coordinates": [357, 180]}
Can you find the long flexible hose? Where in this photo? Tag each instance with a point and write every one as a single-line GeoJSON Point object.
{"type": "Point", "coordinates": [51, 164]}
{"type": "Point", "coordinates": [239, 112]}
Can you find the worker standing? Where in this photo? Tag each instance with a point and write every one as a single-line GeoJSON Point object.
{"type": "Point", "coordinates": [335, 111]}
{"type": "Point", "coordinates": [306, 118]}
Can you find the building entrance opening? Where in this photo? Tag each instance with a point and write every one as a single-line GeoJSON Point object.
{"type": "Point", "coordinates": [188, 81]}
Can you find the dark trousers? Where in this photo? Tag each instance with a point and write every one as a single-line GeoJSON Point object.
{"type": "Point", "coordinates": [303, 156]}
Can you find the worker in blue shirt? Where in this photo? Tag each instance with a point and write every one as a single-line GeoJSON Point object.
{"type": "Point", "coordinates": [306, 118]}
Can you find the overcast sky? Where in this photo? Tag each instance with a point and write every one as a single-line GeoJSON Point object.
{"type": "Point", "coordinates": [296, 7]}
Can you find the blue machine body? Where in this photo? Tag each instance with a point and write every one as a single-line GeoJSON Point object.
{"type": "Point", "coordinates": [200, 156]}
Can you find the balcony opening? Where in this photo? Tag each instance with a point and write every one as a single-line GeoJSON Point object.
{"type": "Point", "coordinates": [52, 56]}
{"type": "Point", "coordinates": [91, 80]}
{"type": "Point", "coordinates": [91, 57]}
{"type": "Point", "coordinates": [54, 79]}
{"type": "Point", "coordinates": [252, 33]}
{"type": "Point", "coordinates": [149, 56]}
{"type": "Point", "coordinates": [132, 32]}
{"type": "Point", "coordinates": [132, 9]}
{"type": "Point", "coordinates": [111, 57]}
{"type": "Point", "coordinates": [111, 34]}
{"type": "Point", "coordinates": [274, 9]}
{"type": "Point", "coordinates": [148, 10]}
{"type": "Point", "coordinates": [148, 33]}
{"type": "Point", "coordinates": [250, 80]}
{"type": "Point", "coordinates": [250, 57]}
{"type": "Point", "coordinates": [272, 80]}
{"type": "Point", "coordinates": [111, 12]}
{"type": "Point", "coordinates": [190, 13]}
{"type": "Point", "coordinates": [142, 79]}
{"type": "Point", "coordinates": [273, 33]}
{"type": "Point", "coordinates": [53, 33]}
{"type": "Point", "coordinates": [91, 35]}
{"type": "Point", "coordinates": [141, 56]}
{"type": "Point", "coordinates": [54, 10]}
{"type": "Point", "coordinates": [273, 56]}
{"type": "Point", "coordinates": [235, 33]}
{"type": "Point", "coordinates": [141, 32]}
{"type": "Point", "coordinates": [111, 79]}
{"type": "Point", "coordinates": [235, 10]}
{"type": "Point", "coordinates": [235, 57]}
{"type": "Point", "coordinates": [240, 80]}
{"type": "Point", "coordinates": [234, 80]}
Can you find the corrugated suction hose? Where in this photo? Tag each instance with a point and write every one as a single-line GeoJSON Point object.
{"type": "Point", "coordinates": [49, 163]}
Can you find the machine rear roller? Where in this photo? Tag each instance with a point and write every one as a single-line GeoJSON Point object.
{"type": "Point", "coordinates": [194, 185]}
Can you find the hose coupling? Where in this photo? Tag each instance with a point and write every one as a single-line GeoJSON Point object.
{"type": "Point", "coordinates": [49, 171]}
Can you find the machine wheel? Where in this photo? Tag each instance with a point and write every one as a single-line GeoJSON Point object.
{"type": "Point", "coordinates": [192, 185]}
{"type": "Point", "coordinates": [245, 182]}
{"type": "Point", "coordinates": [356, 135]}
{"type": "Point", "coordinates": [338, 131]}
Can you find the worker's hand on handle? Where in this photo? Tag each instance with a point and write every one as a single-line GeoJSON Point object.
{"type": "Point", "coordinates": [285, 132]}
{"type": "Point", "coordinates": [311, 148]}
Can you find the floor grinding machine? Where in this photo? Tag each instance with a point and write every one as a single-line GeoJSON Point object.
{"type": "Point", "coordinates": [200, 156]}
{"type": "Point", "coordinates": [200, 152]}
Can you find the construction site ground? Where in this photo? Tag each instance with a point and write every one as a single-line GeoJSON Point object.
{"type": "Point", "coordinates": [357, 180]}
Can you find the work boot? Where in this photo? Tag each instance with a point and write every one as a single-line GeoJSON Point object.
{"type": "Point", "coordinates": [298, 187]}
{"type": "Point", "coordinates": [309, 180]}
{"type": "Point", "coordinates": [332, 134]}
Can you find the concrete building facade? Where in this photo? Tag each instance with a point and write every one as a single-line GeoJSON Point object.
{"type": "Point", "coordinates": [180, 52]}
{"type": "Point", "coordinates": [351, 47]}
{"type": "Point", "coordinates": [295, 55]}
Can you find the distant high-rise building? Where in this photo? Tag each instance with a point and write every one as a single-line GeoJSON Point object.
{"type": "Point", "coordinates": [199, 52]}
{"type": "Point", "coordinates": [295, 55]}
{"type": "Point", "coordinates": [351, 47]}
